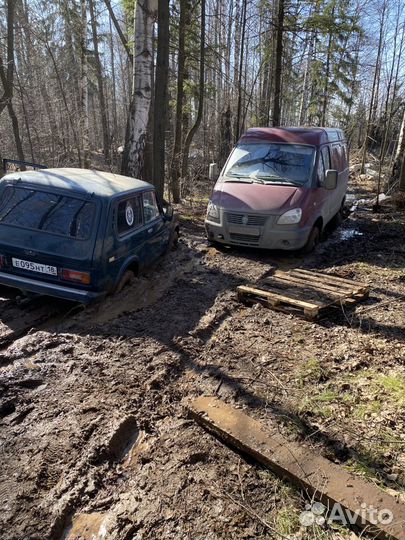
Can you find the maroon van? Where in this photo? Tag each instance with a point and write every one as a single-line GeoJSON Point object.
{"type": "Point", "coordinates": [279, 188]}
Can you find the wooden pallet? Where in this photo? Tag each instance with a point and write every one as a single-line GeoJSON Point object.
{"type": "Point", "coordinates": [304, 292]}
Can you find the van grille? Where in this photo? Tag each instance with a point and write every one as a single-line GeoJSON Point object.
{"type": "Point", "coordinates": [245, 238]}
{"type": "Point", "coordinates": [252, 219]}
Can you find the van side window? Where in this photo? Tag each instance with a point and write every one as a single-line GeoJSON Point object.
{"type": "Point", "coordinates": [321, 170]}
{"type": "Point", "coordinates": [344, 147]}
{"type": "Point", "coordinates": [337, 157]}
{"type": "Point", "coordinates": [129, 215]}
{"type": "Point", "coordinates": [323, 164]}
{"type": "Point", "coordinates": [326, 157]}
{"type": "Point", "coordinates": [150, 207]}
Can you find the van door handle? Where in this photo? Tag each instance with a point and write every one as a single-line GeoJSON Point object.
{"type": "Point", "coordinates": [150, 230]}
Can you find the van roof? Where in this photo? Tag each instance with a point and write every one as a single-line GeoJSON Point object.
{"type": "Point", "coordinates": [82, 181]}
{"type": "Point", "coordinates": [314, 136]}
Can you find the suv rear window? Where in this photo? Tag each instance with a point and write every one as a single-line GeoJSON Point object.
{"type": "Point", "coordinates": [44, 211]}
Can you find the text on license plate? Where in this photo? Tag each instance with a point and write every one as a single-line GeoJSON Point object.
{"type": "Point", "coordinates": [35, 267]}
{"type": "Point", "coordinates": [244, 230]}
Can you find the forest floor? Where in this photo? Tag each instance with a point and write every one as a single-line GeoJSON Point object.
{"type": "Point", "coordinates": [95, 437]}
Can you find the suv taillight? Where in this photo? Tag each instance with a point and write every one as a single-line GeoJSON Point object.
{"type": "Point", "coordinates": [74, 275]}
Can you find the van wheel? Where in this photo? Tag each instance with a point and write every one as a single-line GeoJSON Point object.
{"type": "Point", "coordinates": [313, 240]}
{"type": "Point", "coordinates": [126, 279]}
{"type": "Point", "coordinates": [337, 219]}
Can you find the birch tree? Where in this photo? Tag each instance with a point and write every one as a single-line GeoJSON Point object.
{"type": "Point", "coordinates": [137, 124]}
{"type": "Point", "coordinates": [84, 96]}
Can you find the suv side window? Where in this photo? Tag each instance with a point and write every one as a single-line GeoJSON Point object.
{"type": "Point", "coordinates": [129, 215]}
{"type": "Point", "coordinates": [150, 207]}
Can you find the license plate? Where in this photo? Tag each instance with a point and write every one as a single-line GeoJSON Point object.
{"type": "Point", "coordinates": [244, 230]}
{"type": "Point", "coordinates": [35, 267]}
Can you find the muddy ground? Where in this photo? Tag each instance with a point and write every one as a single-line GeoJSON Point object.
{"type": "Point", "coordinates": [95, 437]}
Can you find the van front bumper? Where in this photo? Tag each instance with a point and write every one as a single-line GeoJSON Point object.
{"type": "Point", "coordinates": [49, 289]}
{"type": "Point", "coordinates": [268, 236]}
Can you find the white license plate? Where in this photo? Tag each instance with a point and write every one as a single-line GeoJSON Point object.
{"type": "Point", "coordinates": [35, 267]}
{"type": "Point", "coordinates": [244, 230]}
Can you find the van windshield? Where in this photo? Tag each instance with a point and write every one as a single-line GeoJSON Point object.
{"type": "Point", "coordinates": [45, 211]}
{"type": "Point", "coordinates": [270, 163]}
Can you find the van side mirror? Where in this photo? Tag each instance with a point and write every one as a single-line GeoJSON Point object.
{"type": "Point", "coordinates": [331, 177]}
{"type": "Point", "coordinates": [213, 172]}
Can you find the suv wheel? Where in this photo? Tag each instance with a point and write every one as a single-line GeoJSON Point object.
{"type": "Point", "coordinates": [126, 279]}
{"type": "Point", "coordinates": [175, 240]}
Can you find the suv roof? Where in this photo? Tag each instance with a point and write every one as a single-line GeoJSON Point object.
{"type": "Point", "coordinates": [82, 181]}
{"type": "Point", "coordinates": [314, 136]}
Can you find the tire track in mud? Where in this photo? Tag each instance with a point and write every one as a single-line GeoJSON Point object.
{"type": "Point", "coordinates": [16, 320]}
{"type": "Point", "coordinates": [107, 436]}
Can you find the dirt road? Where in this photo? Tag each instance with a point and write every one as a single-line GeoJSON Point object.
{"type": "Point", "coordinates": [95, 439]}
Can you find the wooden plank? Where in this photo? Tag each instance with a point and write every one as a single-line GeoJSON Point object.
{"type": "Point", "coordinates": [243, 289]}
{"type": "Point", "coordinates": [314, 281]}
{"type": "Point", "coordinates": [341, 288]}
{"type": "Point", "coordinates": [312, 297]}
{"type": "Point", "coordinates": [320, 288]}
{"type": "Point", "coordinates": [332, 278]}
{"type": "Point", "coordinates": [317, 476]}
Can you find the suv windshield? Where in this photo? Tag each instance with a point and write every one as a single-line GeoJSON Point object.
{"type": "Point", "coordinates": [44, 211]}
{"type": "Point", "coordinates": [270, 162]}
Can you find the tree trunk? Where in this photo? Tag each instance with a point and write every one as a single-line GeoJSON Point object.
{"type": "Point", "coordinates": [400, 150]}
{"type": "Point", "coordinates": [376, 72]}
{"type": "Point", "coordinates": [136, 132]}
{"type": "Point", "coordinates": [305, 83]}
{"type": "Point", "coordinates": [388, 109]}
{"type": "Point", "coordinates": [100, 84]}
{"type": "Point", "coordinates": [114, 94]}
{"type": "Point", "coordinates": [196, 125]}
{"type": "Point", "coordinates": [225, 141]}
{"type": "Point", "coordinates": [240, 72]}
{"type": "Point", "coordinates": [175, 166]}
{"type": "Point", "coordinates": [327, 75]}
{"type": "Point", "coordinates": [402, 175]}
{"type": "Point", "coordinates": [84, 97]}
{"type": "Point", "coordinates": [161, 101]}
{"type": "Point", "coordinates": [16, 133]}
{"type": "Point", "coordinates": [7, 69]}
{"type": "Point", "coordinates": [278, 65]}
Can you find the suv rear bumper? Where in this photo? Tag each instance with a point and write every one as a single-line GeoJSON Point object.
{"type": "Point", "coordinates": [50, 289]}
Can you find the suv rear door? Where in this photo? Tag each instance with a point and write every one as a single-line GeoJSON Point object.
{"type": "Point", "coordinates": [43, 231]}
{"type": "Point", "coordinates": [128, 239]}
{"type": "Point", "coordinates": [157, 230]}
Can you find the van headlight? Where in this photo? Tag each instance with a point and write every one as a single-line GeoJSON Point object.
{"type": "Point", "coordinates": [213, 212]}
{"type": "Point", "coordinates": [290, 217]}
